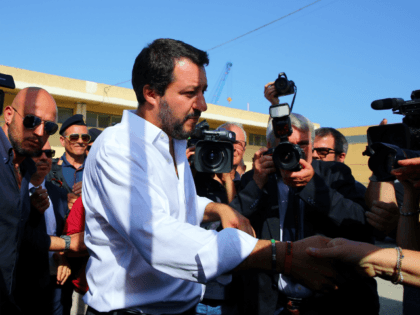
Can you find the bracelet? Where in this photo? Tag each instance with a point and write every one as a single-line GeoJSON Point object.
{"type": "Point", "coordinates": [288, 258]}
{"type": "Point", "coordinates": [407, 214]}
{"type": "Point", "coordinates": [273, 255]}
{"type": "Point", "coordinates": [397, 277]}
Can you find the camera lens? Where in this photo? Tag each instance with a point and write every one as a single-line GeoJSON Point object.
{"type": "Point", "coordinates": [286, 156]}
{"type": "Point", "coordinates": [212, 156]}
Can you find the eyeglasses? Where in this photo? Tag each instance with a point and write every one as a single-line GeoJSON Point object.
{"type": "Point", "coordinates": [242, 143]}
{"type": "Point", "coordinates": [74, 137]}
{"type": "Point", "coordinates": [32, 121]}
{"type": "Point", "coordinates": [323, 152]}
{"type": "Point", "coordinates": [49, 153]}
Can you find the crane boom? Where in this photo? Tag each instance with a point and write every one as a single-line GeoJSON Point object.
{"type": "Point", "coordinates": [220, 83]}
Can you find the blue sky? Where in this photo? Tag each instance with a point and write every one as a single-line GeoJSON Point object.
{"type": "Point", "coordinates": [342, 54]}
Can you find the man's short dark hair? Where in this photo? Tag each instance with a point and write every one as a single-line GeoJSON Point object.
{"type": "Point", "coordinates": [155, 64]}
{"type": "Point", "coordinates": [340, 142]}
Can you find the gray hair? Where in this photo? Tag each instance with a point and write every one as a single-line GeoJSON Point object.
{"type": "Point", "coordinates": [228, 124]}
{"type": "Point", "coordinates": [340, 142]}
{"type": "Point", "coordinates": [298, 121]}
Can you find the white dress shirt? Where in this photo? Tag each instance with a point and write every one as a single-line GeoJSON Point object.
{"type": "Point", "coordinates": [147, 251]}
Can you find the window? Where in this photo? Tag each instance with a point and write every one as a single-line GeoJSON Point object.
{"type": "Point", "coordinates": [258, 140]}
{"type": "Point", "coordinates": [64, 114]}
{"type": "Point", "coordinates": [101, 120]}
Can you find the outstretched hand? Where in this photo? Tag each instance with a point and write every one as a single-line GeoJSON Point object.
{"type": "Point", "coordinates": [357, 254]}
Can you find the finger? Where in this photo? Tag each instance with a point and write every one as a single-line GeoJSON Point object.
{"type": "Point", "coordinates": [323, 252]}
{"type": "Point", "coordinates": [268, 84]}
{"type": "Point", "coordinates": [375, 224]}
{"type": "Point", "coordinates": [383, 122]}
{"type": "Point", "coordinates": [407, 162]}
{"type": "Point", "coordinates": [381, 213]}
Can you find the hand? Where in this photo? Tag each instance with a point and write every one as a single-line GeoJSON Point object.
{"type": "Point", "coordinates": [263, 165]}
{"type": "Point", "coordinates": [190, 152]}
{"type": "Point", "coordinates": [77, 188]}
{"type": "Point", "coordinates": [225, 177]}
{"type": "Point", "coordinates": [409, 173]}
{"type": "Point", "coordinates": [383, 216]}
{"type": "Point", "coordinates": [71, 199]}
{"type": "Point", "coordinates": [317, 274]}
{"type": "Point", "coordinates": [270, 93]}
{"type": "Point", "coordinates": [40, 200]}
{"type": "Point", "coordinates": [77, 243]}
{"type": "Point", "coordinates": [63, 268]}
{"type": "Point", "coordinates": [355, 253]}
{"type": "Point", "coordinates": [230, 218]}
{"type": "Point", "coordinates": [300, 178]}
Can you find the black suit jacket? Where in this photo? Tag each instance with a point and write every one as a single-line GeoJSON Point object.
{"type": "Point", "coordinates": [33, 266]}
{"type": "Point", "coordinates": [332, 207]}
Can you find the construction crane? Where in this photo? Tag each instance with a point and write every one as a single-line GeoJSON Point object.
{"type": "Point", "coordinates": [220, 84]}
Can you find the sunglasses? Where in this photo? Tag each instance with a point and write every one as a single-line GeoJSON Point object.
{"type": "Point", "coordinates": [32, 121]}
{"type": "Point", "coordinates": [74, 137]}
{"type": "Point", "coordinates": [49, 153]}
{"type": "Point", "coordinates": [323, 152]}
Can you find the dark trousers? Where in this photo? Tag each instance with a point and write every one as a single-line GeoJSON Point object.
{"type": "Point", "coordinates": [92, 311]}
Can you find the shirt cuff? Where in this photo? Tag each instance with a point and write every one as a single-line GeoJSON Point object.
{"type": "Point", "coordinates": [224, 253]}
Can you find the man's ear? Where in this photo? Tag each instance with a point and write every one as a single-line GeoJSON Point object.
{"type": "Point", "coordinates": [8, 115]}
{"type": "Point", "coordinates": [150, 95]}
{"type": "Point", "coordinates": [62, 140]}
{"type": "Point", "coordinates": [341, 157]}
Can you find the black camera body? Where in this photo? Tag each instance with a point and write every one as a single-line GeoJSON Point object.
{"type": "Point", "coordinates": [389, 144]}
{"type": "Point", "coordinates": [213, 149]}
{"type": "Point", "coordinates": [7, 82]}
{"type": "Point", "coordinates": [286, 155]}
{"type": "Point", "coordinates": [283, 86]}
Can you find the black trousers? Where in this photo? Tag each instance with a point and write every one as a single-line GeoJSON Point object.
{"type": "Point", "coordinates": [92, 311]}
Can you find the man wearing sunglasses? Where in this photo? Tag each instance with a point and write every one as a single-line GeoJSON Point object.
{"type": "Point", "coordinates": [29, 121]}
{"type": "Point", "coordinates": [48, 271]}
{"type": "Point", "coordinates": [67, 171]}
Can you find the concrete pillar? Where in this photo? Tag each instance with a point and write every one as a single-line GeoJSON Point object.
{"type": "Point", "coordinates": [81, 109]}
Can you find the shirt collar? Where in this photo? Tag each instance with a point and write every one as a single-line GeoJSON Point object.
{"type": "Point", "coordinates": [66, 163]}
{"type": "Point", "coordinates": [6, 149]}
{"type": "Point", "coordinates": [144, 129]}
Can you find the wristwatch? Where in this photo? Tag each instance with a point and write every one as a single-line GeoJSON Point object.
{"type": "Point", "coordinates": [67, 239]}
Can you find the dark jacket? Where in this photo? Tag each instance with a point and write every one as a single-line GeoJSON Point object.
{"type": "Point", "coordinates": [33, 267]}
{"type": "Point", "coordinates": [332, 207]}
{"type": "Point", "coordinates": [14, 215]}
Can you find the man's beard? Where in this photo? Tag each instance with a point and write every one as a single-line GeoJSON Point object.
{"type": "Point", "coordinates": [173, 127]}
{"type": "Point", "coordinates": [17, 146]}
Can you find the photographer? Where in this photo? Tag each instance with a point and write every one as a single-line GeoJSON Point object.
{"type": "Point", "coordinates": [320, 198]}
{"type": "Point", "coordinates": [221, 188]}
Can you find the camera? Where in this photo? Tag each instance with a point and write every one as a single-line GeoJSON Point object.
{"type": "Point", "coordinates": [7, 82]}
{"type": "Point", "coordinates": [213, 149]}
{"type": "Point", "coordinates": [283, 86]}
{"type": "Point", "coordinates": [286, 155]}
{"type": "Point", "coordinates": [389, 144]}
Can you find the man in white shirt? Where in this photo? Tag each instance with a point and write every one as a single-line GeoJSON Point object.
{"type": "Point", "coordinates": [147, 251]}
